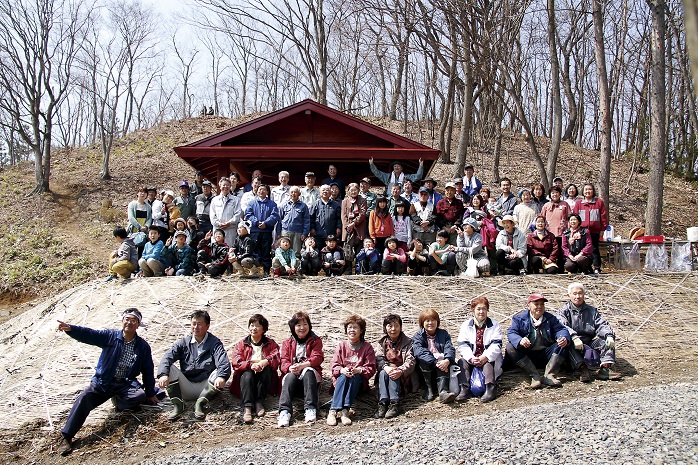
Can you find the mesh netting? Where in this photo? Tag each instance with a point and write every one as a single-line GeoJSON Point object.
{"type": "Point", "coordinates": [42, 370]}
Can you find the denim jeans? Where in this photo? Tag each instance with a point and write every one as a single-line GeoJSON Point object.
{"type": "Point", "coordinates": [389, 390]}
{"type": "Point", "coordinates": [345, 391]}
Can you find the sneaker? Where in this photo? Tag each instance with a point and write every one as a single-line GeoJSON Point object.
{"type": "Point", "coordinates": [597, 271]}
{"type": "Point", "coordinates": [522, 272]}
{"type": "Point", "coordinates": [247, 415]}
{"type": "Point", "coordinates": [111, 277]}
{"type": "Point", "coordinates": [393, 410]}
{"type": "Point", "coordinates": [310, 415]}
{"type": "Point", "coordinates": [284, 418]}
{"type": "Point", "coordinates": [332, 418]}
{"type": "Point", "coordinates": [606, 374]}
{"type": "Point", "coordinates": [346, 421]}
{"type": "Point", "coordinates": [382, 409]}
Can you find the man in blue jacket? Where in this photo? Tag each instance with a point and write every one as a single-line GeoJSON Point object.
{"type": "Point", "coordinates": [124, 356]}
{"type": "Point", "coordinates": [204, 368]}
{"type": "Point", "coordinates": [295, 220]}
{"type": "Point", "coordinates": [537, 338]}
{"type": "Point", "coordinates": [325, 218]}
{"type": "Point", "coordinates": [263, 213]}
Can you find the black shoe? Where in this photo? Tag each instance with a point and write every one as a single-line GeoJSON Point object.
{"type": "Point", "coordinates": [66, 446]}
{"type": "Point", "coordinates": [382, 409]}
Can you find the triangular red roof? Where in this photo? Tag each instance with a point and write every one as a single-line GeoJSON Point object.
{"type": "Point", "coordinates": [306, 136]}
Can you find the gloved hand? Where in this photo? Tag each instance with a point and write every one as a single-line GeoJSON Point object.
{"type": "Point", "coordinates": [610, 343]}
{"type": "Point", "coordinates": [578, 344]}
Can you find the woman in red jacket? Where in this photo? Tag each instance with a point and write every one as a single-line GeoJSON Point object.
{"type": "Point", "coordinates": [301, 368]}
{"type": "Point", "coordinates": [542, 248]}
{"type": "Point", "coordinates": [255, 361]}
{"type": "Point", "coordinates": [592, 211]}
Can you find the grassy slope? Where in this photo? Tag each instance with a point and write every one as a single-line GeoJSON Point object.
{"type": "Point", "coordinates": [57, 240]}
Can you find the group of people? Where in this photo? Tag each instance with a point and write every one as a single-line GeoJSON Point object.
{"type": "Point", "coordinates": [197, 367]}
{"type": "Point", "coordinates": [410, 228]}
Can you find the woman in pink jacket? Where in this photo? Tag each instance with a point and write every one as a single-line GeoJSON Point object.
{"type": "Point", "coordinates": [353, 364]}
{"type": "Point", "coordinates": [592, 211]}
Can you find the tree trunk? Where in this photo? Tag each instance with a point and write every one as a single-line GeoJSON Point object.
{"type": "Point", "coordinates": [690, 8]}
{"type": "Point", "coordinates": [556, 133]}
{"type": "Point", "coordinates": [657, 147]}
{"type": "Point", "coordinates": [467, 116]}
{"type": "Point", "coordinates": [604, 103]}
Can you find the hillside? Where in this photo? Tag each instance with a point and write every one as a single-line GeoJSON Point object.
{"type": "Point", "coordinates": [61, 239]}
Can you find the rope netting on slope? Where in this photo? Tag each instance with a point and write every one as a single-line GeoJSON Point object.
{"type": "Point", "coordinates": [42, 370]}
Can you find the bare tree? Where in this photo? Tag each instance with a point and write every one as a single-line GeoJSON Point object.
{"type": "Point", "coordinates": [186, 59]}
{"type": "Point", "coordinates": [604, 102]}
{"type": "Point", "coordinates": [655, 194]}
{"type": "Point", "coordinates": [38, 41]}
{"type": "Point", "coordinates": [556, 133]}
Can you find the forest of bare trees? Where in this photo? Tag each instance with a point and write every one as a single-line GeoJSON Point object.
{"type": "Point", "coordinates": [611, 76]}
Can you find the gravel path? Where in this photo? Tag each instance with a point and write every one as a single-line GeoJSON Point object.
{"type": "Point", "coordinates": [653, 425]}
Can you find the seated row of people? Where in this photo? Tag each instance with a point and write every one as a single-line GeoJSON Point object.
{"type": "Point", "coordinates": [396, 364]}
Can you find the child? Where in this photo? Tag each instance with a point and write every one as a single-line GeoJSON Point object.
{"type": "Point", "coordinates": [195, 234]}
{"type": "Point", "coordinates": [442, 256]}
{"type": "Point", "coordinates": [380, 224]}
{"type": "Point", "coordinates": [285, 261]}
{"type": "Point", "coordinates": [180, 224]}
{"type": "Point", "coordinates": [333, 257]}
{"type": "Point", "coordinates": [242, 254]}
{"type": "Point", "coordinates": [151, 261]}
{"type": "Point", "coordinates": [124, 260]}
{"type": "Point", "coordinates": [368, 258]}
{"type": "Point", "coordinates": [353, 364]}
{"type": "Point", "coordinates": [417, 259]}
{"type": "Point", "coordinates": [402, 225]}
{"type": "Point", "coordinates": [182, 255]}
{"type": "Point", "coordinates": [394, 258]}
{"type": "Point", "coordinates": [212, 257]}
{"type": "Point", "coordinates": [255, 359]}
{"type": "Point", "coordinates": [301, 368]}
{"type": "Point", "coordinates": [311, 262]}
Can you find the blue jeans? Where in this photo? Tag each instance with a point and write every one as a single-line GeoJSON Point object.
{"type": "Point", "coordinates": [389, 390]}
{"type": "Point", "coordinates": [345, 391]}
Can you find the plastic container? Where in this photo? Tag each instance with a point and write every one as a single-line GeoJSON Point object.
{"type": "Point", "coordinates": [692, 234]}
{"type": "Point", "coordinates": [652, 239]}
{"type": "Point", "coordinates": [609, 233]}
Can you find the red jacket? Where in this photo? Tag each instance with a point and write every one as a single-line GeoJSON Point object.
{"type": "Point", "coordinates": [240, 361]}
{"type": "Point", "coordinates": [593, 213]}
{"type": "Point", "coordinates": [546, 247]}
{"type": "Point", "coordinates": [313, 353]}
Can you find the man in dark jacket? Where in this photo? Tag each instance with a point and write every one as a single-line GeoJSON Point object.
{"type": "Point", "coordinates": [325, 218]}
{"type": "Point", "coordinates": [124, 356]}
{"type": "Point", "coordinates": [537, 338]}
{"type": "Point", "coordinates": [204, 368]}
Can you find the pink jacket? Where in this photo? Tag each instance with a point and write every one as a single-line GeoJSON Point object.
{"type": "Point", "coordinates": [364, 358]}
{"type": "Point", "coordinates": [556, 216]}
{"type": "Point", "coordinates": [401, 255]}
{"type": "Point", "coordinates": [593, 213]}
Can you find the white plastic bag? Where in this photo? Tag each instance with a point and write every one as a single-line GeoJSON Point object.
{"type": "Point", "coordinates": [471, 267]}
{"type": "Point", "coordinates": [630, 257]}
{"type": "Point", "coordinates": [656, 258]}
{"type": "Point", "coordinates": [681, 256]}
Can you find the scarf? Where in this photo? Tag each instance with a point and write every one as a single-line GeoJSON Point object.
{"type": "Point", "coordinates": [400, 179]}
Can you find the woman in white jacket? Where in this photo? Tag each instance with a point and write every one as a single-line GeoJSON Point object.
{"type": "Point", "coordinates": [479, 345]}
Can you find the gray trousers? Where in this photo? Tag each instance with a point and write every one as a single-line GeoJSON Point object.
{"type": "Point", "coordinates": [190, 390]}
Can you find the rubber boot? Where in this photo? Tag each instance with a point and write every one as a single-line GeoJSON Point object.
{"type": "Point", "coordinates": [201, 406]}
{"type": "Point", "coordinates": [175, 395]}
{"type": "Point", "coordinates": [445, 396]}
{"type": "Point", "coordinates": [584, 375]}
{"type": "Point", "coordinates": [489, 394]}
{"type": "Point", "coordinates": [429, 394]}
{"type": "Point", "coordinates": [551, 370]}
{"type": "Point", "coordinates": [464, 393]}
{"type": "Point", "coordinates": [529, 368]}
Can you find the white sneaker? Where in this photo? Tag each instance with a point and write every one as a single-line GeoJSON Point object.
{"type": "Point", "coordinates": [284, 418]}
{"type": "Point", "coordinates": [310, 415]}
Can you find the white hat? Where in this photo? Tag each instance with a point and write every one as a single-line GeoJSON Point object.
{"type": "Point", "coordinates": [507, 218]}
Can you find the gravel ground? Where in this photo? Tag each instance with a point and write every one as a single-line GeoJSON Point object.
{"type": "Point", "coordinates": [652, 425]}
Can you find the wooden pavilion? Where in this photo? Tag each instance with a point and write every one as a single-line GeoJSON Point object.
{"type": "Point", "coordinates": [306, 136]}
